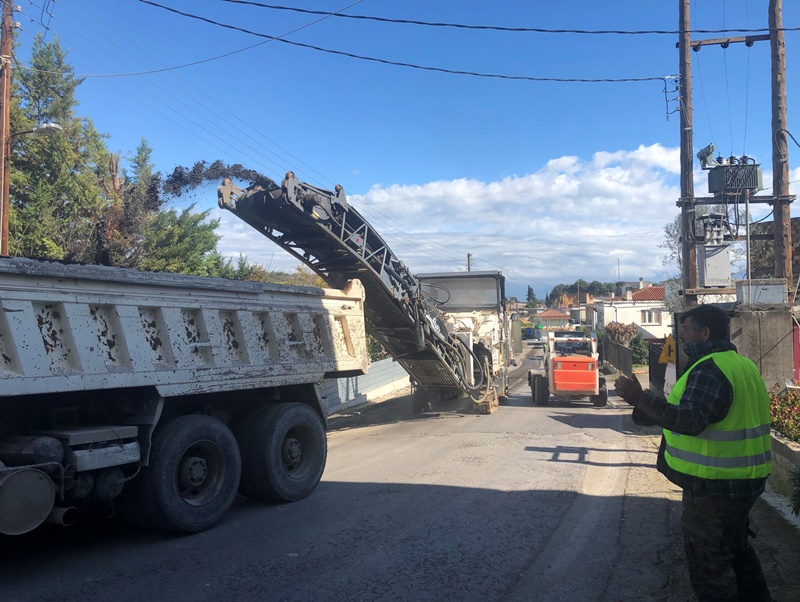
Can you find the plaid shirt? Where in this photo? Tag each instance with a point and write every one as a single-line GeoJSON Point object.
{"type": "Point", "coordinates": [707, 399]}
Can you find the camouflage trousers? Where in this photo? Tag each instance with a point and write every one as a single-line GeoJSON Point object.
{"type": "Point", "coordinates": [722, 563]}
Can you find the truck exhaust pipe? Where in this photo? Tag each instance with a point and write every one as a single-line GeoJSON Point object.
{"type": "Point", "coordinates": [65, 517]}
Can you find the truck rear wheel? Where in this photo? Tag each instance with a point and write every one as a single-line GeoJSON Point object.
{"type": "Point", "coordinates": [192, 478]}
{"type": "Point", "coordinates": [284, 452]}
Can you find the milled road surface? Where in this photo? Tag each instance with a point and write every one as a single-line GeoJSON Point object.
{"type": "Point", "coordinates": [530, 503]}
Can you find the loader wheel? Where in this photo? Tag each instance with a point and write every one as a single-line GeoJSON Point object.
{"type": "Point", "coordinates": [540, 391]}
{"type": "Point", "coordinates": [600, 400]}
{"type": "Point", "coordinates": [284, 451]}
{"type": "Point", "coordinates": [192, 478]}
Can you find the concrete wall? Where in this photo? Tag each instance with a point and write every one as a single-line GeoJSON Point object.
{"type": "Point", "coordinates": [382, 378]}
{"type": "Point", "coordinates": [765, 335]}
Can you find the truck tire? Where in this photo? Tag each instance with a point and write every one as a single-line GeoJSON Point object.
{"type": "Point", "coordinates": [540, 391]}
{"type": "Point", "coordinates": [283, 453]}
{"type": "Point", "coordinates": [192, 478]}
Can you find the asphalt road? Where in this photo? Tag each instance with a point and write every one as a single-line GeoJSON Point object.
{"type": "Point", "coordinates": [530, 503]}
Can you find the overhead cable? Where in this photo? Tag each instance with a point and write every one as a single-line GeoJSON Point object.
{"type": "Point", "coordinates": [397, 63]}
{"type": "Point", "coordinates": [499, 27]}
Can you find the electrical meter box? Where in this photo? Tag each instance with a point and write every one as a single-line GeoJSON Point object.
{"type": "Point", "coordinates": [713, 265]}
{"type": "Point", "coordinates": [771, 290]}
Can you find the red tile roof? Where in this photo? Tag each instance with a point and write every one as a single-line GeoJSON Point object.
{"type": "Point", "coordinates": [552, 314]}
{"type": "Point", "coordinates": [651, 293]}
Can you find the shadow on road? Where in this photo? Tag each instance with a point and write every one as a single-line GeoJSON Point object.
{"type": "Point", "coordinates": [579, 455]}
{"type": "Point", "coordinates": [396, 410]}
{"type": "Point", "coordinates": [387, 541]}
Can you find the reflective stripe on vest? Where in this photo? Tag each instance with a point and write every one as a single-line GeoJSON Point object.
{"type": "Point", "coordinates": [736, 447]}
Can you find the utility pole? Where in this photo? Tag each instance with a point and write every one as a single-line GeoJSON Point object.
{"type": "Point", "coordinates": [780, 199]}
{"type": "Point", "coordinates": [780, 153]}
{"type": "Point", "coordinates": [5, 112]}
{"type": "Point", "coordinates": [688, 254]}
{"type": "Point", "coordinates": [469, 262]}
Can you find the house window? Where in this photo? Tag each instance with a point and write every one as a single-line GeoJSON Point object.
{"type": "Point", "coordinates": [651, 316]}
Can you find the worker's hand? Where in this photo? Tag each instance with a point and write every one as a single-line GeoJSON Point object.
{"type": "Point", "coordinates": [629, 389]}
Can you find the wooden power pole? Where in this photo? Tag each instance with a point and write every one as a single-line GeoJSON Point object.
{"type": "Point", "coordinates": [780, 198]}
{"type": "Point", "coordinates": [780, 151]}
{"type": "Point", "coordinates": [5, 112]}
{"type": "Point", "coordinates": [688, 254]}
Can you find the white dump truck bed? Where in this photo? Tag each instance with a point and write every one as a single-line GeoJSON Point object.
{"type": "Point", "coordinates": [77, 327]}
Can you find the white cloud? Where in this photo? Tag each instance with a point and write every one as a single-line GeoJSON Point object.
{"type": "Point", "coordinates": [570, 219]}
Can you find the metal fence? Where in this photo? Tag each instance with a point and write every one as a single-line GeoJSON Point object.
{"type": "Point", "coordinates": [383, 377]}
{"type": "Point", "coordinates": [619, 356]}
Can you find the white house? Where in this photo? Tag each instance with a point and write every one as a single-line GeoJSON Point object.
{"type": "Point", "coordinates": [643, 307]}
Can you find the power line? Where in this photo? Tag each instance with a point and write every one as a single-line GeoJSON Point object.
{"type": "Point", "coordinates": [386, 61]}
{"type": "Point", "coordinates": [197, 127]}
{"type": "Point", "coordinates": [499, 27]}
{"type": "Point", "coordinates": [248, 133]}
{"type": "Point", "coordinates": [404, 234]}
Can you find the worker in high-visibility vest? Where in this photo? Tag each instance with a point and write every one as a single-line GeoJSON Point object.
{"type": "Point", "coordinates": [716, 447]}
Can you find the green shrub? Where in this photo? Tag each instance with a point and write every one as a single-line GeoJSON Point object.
{"type": "Point", "coordinates": [640, 351]}
{"type": "Point", "coordinates": [785, 412]}
{"type": "Point", "coordinates": [794, 479]}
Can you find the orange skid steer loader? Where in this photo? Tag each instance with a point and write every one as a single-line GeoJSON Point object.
{"type": "Point", "coordinates": [567, 367]}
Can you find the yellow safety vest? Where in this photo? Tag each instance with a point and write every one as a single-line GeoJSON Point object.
{"type": "Point", "coordinates": [739, 445]}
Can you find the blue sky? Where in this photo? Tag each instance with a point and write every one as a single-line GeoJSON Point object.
{"type": "Point", "coordinates": [548, 182]}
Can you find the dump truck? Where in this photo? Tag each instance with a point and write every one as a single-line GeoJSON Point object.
{"type": "Point", "coordinates": [566, 365]}
{"type": "Point", "coordinates": [162, 395]}
{"type": "Point", "coordinates": [320, 228]}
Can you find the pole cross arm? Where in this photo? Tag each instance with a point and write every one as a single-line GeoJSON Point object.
{"type": "Point", "coordinates": [725, 42]}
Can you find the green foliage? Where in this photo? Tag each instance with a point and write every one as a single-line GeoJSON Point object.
{"type": "Point", "coordinates": [134, 199]}
{"type": "Point", "coordinates": [641, 351]}
{"type": "Point", "coordinates": [785, 412]}
{"type": "Point", "coordinates": [182, 243]}
{"type": "Point", "coordinates": [593, 288]}
{"type": "Point", "coordinates": [57, 204]}
{"type": "Point", "coordinates": [530, 299]}
{"type": "Point", "coordinates": [72, 200]}
{"type": "Point", "coordinates": [375, 349]}
{"type": "Point", "coordinates": [794, 481]}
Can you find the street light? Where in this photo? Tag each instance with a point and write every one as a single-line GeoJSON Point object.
{"type": "Point", "coordinates": [47, 128]}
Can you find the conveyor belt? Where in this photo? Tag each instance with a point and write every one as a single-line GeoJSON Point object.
{"type": "Point", "coordinates": [319, 228]}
